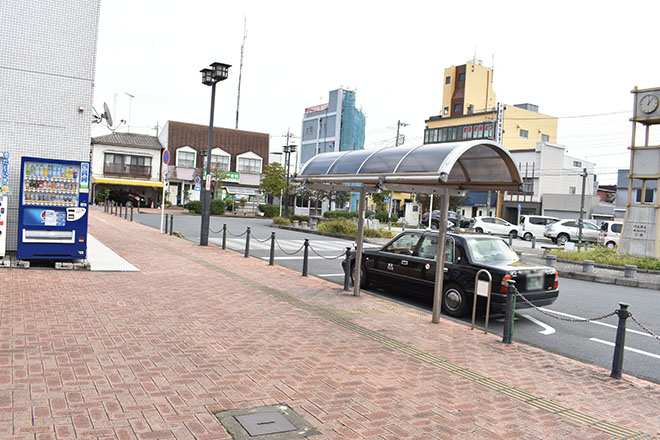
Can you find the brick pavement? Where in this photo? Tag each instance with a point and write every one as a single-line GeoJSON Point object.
{"type": "Point", "coordinates": [154, 354]}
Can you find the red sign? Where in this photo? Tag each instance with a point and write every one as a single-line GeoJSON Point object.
{"type": "Point", "coordinates": [316, 108]}
{"type": "Point", "coordinates": [166, 157]}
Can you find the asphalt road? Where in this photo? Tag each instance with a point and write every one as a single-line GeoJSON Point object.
{"type": "Point", "coordinates": [550, 328]}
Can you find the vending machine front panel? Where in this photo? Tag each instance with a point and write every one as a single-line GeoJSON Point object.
{"type": "Point", "coordinates": [53, 209]}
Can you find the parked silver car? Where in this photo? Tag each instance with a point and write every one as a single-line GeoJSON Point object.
{"type": "Point", "coordinates": [567, 230]}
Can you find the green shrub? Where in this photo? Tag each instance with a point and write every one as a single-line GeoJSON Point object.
{"type": "Point", "coordinates": [342, 226]}
{"type": "Point", "coordinates": [217, 207]}
{"type": "Point", "coordinates": [339, 214]}
{"type": "Point", "coordinates": [379, 233]}
{"type": "Point", "coordinates": [195, 207]}
{"type": "Point", "coordinates": [603, 255]}
{"type": "Point", "coordinates": [270, 210]}
{"type": "Point", "coordinates": [281, 221]}
{"type": "Point", "coordinates": [300, 218]}
{"type": "Point", "coordinates": [102, 195]}
{"type": "Point", "coordinates": [168, 204]}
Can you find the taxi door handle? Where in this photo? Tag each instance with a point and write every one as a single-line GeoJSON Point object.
{"type": "Point", "coordinates": [404, 262]}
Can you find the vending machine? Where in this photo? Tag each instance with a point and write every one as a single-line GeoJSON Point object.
{"type": "Point", "coordinates": [52, 216]}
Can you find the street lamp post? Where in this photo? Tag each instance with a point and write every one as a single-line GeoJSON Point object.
{"type": "Point", "coordinates": [216, 73]}
{"type": "Point", "coordinates": [287, 149]}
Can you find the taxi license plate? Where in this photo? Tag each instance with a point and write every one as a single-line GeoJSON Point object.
{"type": "Point", "coordinates": [535, 282]}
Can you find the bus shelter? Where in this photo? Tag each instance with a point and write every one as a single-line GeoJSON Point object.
{"type": "Point", "coordinates": [442, 169]}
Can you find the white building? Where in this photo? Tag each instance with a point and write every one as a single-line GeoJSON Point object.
{"type": "Point", "coordinates": [128, 162]}
{"type": "Point", "coordinates": [47, 68]}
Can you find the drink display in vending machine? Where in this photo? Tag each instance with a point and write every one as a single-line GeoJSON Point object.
{"type": "Point", "coordinates": [53, 209]}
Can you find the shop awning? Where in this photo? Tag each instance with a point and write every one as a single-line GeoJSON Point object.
{"type": "Point", "coordinates": [128, 182]}
{"type": "Point", "coordinates": [242, 190]}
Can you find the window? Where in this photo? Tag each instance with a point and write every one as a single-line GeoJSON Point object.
{"type": "Point", "coordinates": [448, 80]}
{"type": "Point", "coordinates": [616, 228]}
{"type": "Point", "coordinates": [429, 248]}
{"type": "Point", "coordinates": [648, 197]}
{"type": "Point", "coordinates": [461, 77]}
{"type": "Point", "coordinates": [545, 138]}
{"type": "Point", "coordinates": [571, 224]}
{"type": "Point", "coordinates": [457, 108]}
{"type": "Point", "coordinates": [571, 190]}
{"type": "Point", "coordinates": [185, 159]}
{"type": "Point", "coordinates": [403, 245]}
{"type": "Point", "coordinates": [218, 162]}
{"type": "Point", "coordinates": [528, 185]}
{"type": "Point", "coordinates": [247, 165]}
{"type": "Point", "coordinates": [445, 111]}
{"type": "Point", "coordinates": [577, 163]}
{"type": "Point", "coordinates": [129, 165]}
{"type": "Point", "coordinates": [524, 133]}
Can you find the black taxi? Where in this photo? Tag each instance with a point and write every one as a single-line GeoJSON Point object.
{"type": "Point", "coordinates": [407, 263]}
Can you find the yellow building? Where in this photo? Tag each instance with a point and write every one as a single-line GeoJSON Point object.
{"type": "Point", "coordinates": [470, 111]}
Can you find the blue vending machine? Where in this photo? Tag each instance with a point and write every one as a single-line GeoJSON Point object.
{"type": "Point", "coordinates": [52, 216]}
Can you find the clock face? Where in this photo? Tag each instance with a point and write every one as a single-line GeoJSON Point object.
{"type": "Point", "coordinates": [648, 103]}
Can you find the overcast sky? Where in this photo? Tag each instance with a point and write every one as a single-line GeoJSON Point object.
{"type": "Point", "coordinates": [571, 58]}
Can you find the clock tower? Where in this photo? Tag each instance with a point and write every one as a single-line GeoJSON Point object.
{"type": "Point", "coordinates": [641, 230]}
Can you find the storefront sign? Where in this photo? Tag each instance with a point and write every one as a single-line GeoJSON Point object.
{"type": "Point", "coordinates": [230, 176]}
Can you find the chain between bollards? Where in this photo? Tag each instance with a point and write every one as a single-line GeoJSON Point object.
{"type": "Point", "coordinates": [347, 269]}
{"type": "Point", "coordinates": [305, 257]}
{"type": "Point", "coordinates": [619, 343]}
{"type": "Point", "coordinates": [271, 259]}
{"type": "Point", "coordinates": [507, 334]}
{"type": "Point", "coordinates": [247, 242]}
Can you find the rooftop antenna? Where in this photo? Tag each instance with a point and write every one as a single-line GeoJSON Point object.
{"type": "Point", "coordinates": [130, 102]}
{"type": "Point", "coordinates": [240, 72]}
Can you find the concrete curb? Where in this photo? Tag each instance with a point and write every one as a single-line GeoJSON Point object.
{"type": "Point", "coordinates": [329, 234]}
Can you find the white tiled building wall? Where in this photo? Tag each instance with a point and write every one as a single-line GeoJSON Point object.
{"type": "Point", "coordinates": [47, 67]}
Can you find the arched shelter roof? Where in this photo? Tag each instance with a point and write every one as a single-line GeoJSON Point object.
{"type": "Point", "coordinates": [468, 165]}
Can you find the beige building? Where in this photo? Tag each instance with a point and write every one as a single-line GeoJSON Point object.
{"type": "Point", "coordinates": [470, 111]}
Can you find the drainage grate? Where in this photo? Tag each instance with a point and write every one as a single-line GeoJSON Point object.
{"type": "Point", "coordinates": [265, 423]}
{"type": "Point", "coordinates": [275, 422]}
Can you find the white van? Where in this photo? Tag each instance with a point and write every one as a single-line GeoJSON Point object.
{"type": "Point", "coordinates": [610, 232]}
{"type": "Point", "coordinates": [534, 225]}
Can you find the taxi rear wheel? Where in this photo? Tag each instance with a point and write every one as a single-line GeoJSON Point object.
{"type": "Point", "coordinates": [454, 300]}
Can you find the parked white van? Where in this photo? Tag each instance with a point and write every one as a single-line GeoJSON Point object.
{"type": "Point", "coordinates": [610, 232]}
{"type": "Point", "coordinates": [534, 225]}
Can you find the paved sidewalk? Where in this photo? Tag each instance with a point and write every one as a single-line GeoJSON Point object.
{"type": "Point", "coordinates": [156, 353]}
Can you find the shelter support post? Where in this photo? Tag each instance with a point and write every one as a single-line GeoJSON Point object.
{"type": "Point", "coordinates": [440, 258]}
{"type": "Point", "coordinates": [360, 237]}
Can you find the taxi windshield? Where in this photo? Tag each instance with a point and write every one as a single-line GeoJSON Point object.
{"type": "Point", "coordinates": [489, 250]}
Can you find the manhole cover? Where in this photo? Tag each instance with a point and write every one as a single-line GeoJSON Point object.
{"type": "Point", "coordinates": [274, 422]}
{"type": "Point", "coordinates": [265, 423]}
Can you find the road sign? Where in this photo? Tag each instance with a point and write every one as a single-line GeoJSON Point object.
{"type": "Point", "coordinates": [166, 157]}
{"type": "Point", "coordinates": [519, 206]}
{"type": "Point", "coordinates": [197, 180]}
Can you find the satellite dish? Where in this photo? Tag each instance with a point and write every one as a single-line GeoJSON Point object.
{"type": "Point", "coordinates": [106, 114]}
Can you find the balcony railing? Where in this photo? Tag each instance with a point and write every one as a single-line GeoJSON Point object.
{"type": "Point", "coordinates": [127, 170]}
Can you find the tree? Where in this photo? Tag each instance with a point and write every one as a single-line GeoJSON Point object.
{"type": "Point", "coordinates": [379, 199]}
{"type": "Point", "coordinates": [274, 181]}
{"type": "Point", "coordinates": [454, 201]}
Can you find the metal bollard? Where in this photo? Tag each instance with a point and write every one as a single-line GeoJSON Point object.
{"type": "Point", "coordinates": [224, 236]}
{"type": "Point", "coordinates": [629, 271]}
{"type": "Point", "coordinates": [271, 260]}
{"type": "Point", "coordinates": [619, 343]}
{"type": "Point", "coordinates": [533, 241]}
{"type": "Point", "coordinates": [347, 269]}
{"type": "Point", "coordinates": [247, 243]}
{"type": "Point", "coordinates": [510, 240]}
{"type": "Point", "coordinates": [305, 257]}
{"type": "Point", "coordinates": [131, 213]}
{"type": "Point", "coordinates": [551, 260]}
{"type": "Point", "coordinates": [588, 266]}
{"type": "Point", "coordinates": [507, 335]}
{"type": "Point", "coordinates": [125, 212]}
{"type": "Point", "coordinates": [171, 224]}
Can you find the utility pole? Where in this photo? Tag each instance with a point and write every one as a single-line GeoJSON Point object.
{"type": "Point", "coordinates": [398, 125]}
{"type": "Point", "coordinates": [240, 72]}
{"type": "Point", "coordinates": [584, 181]}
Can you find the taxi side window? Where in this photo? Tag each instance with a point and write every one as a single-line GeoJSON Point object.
{"type": "Point", "coordinates": [404, 245]}
{"type": "Point", "coordinates": [429, 247]}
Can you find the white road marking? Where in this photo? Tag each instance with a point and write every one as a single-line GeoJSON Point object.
{"type": "Point", "coordinates": [604, 324]}
{"type": "Point", "coordinates": [634, 350]}
{"type": "Point", "coordinates": [329, 275]}
{"type": "Point", "coordinates": [293, 258]}
{"type": "Point", "coordinates": [547, 330]}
